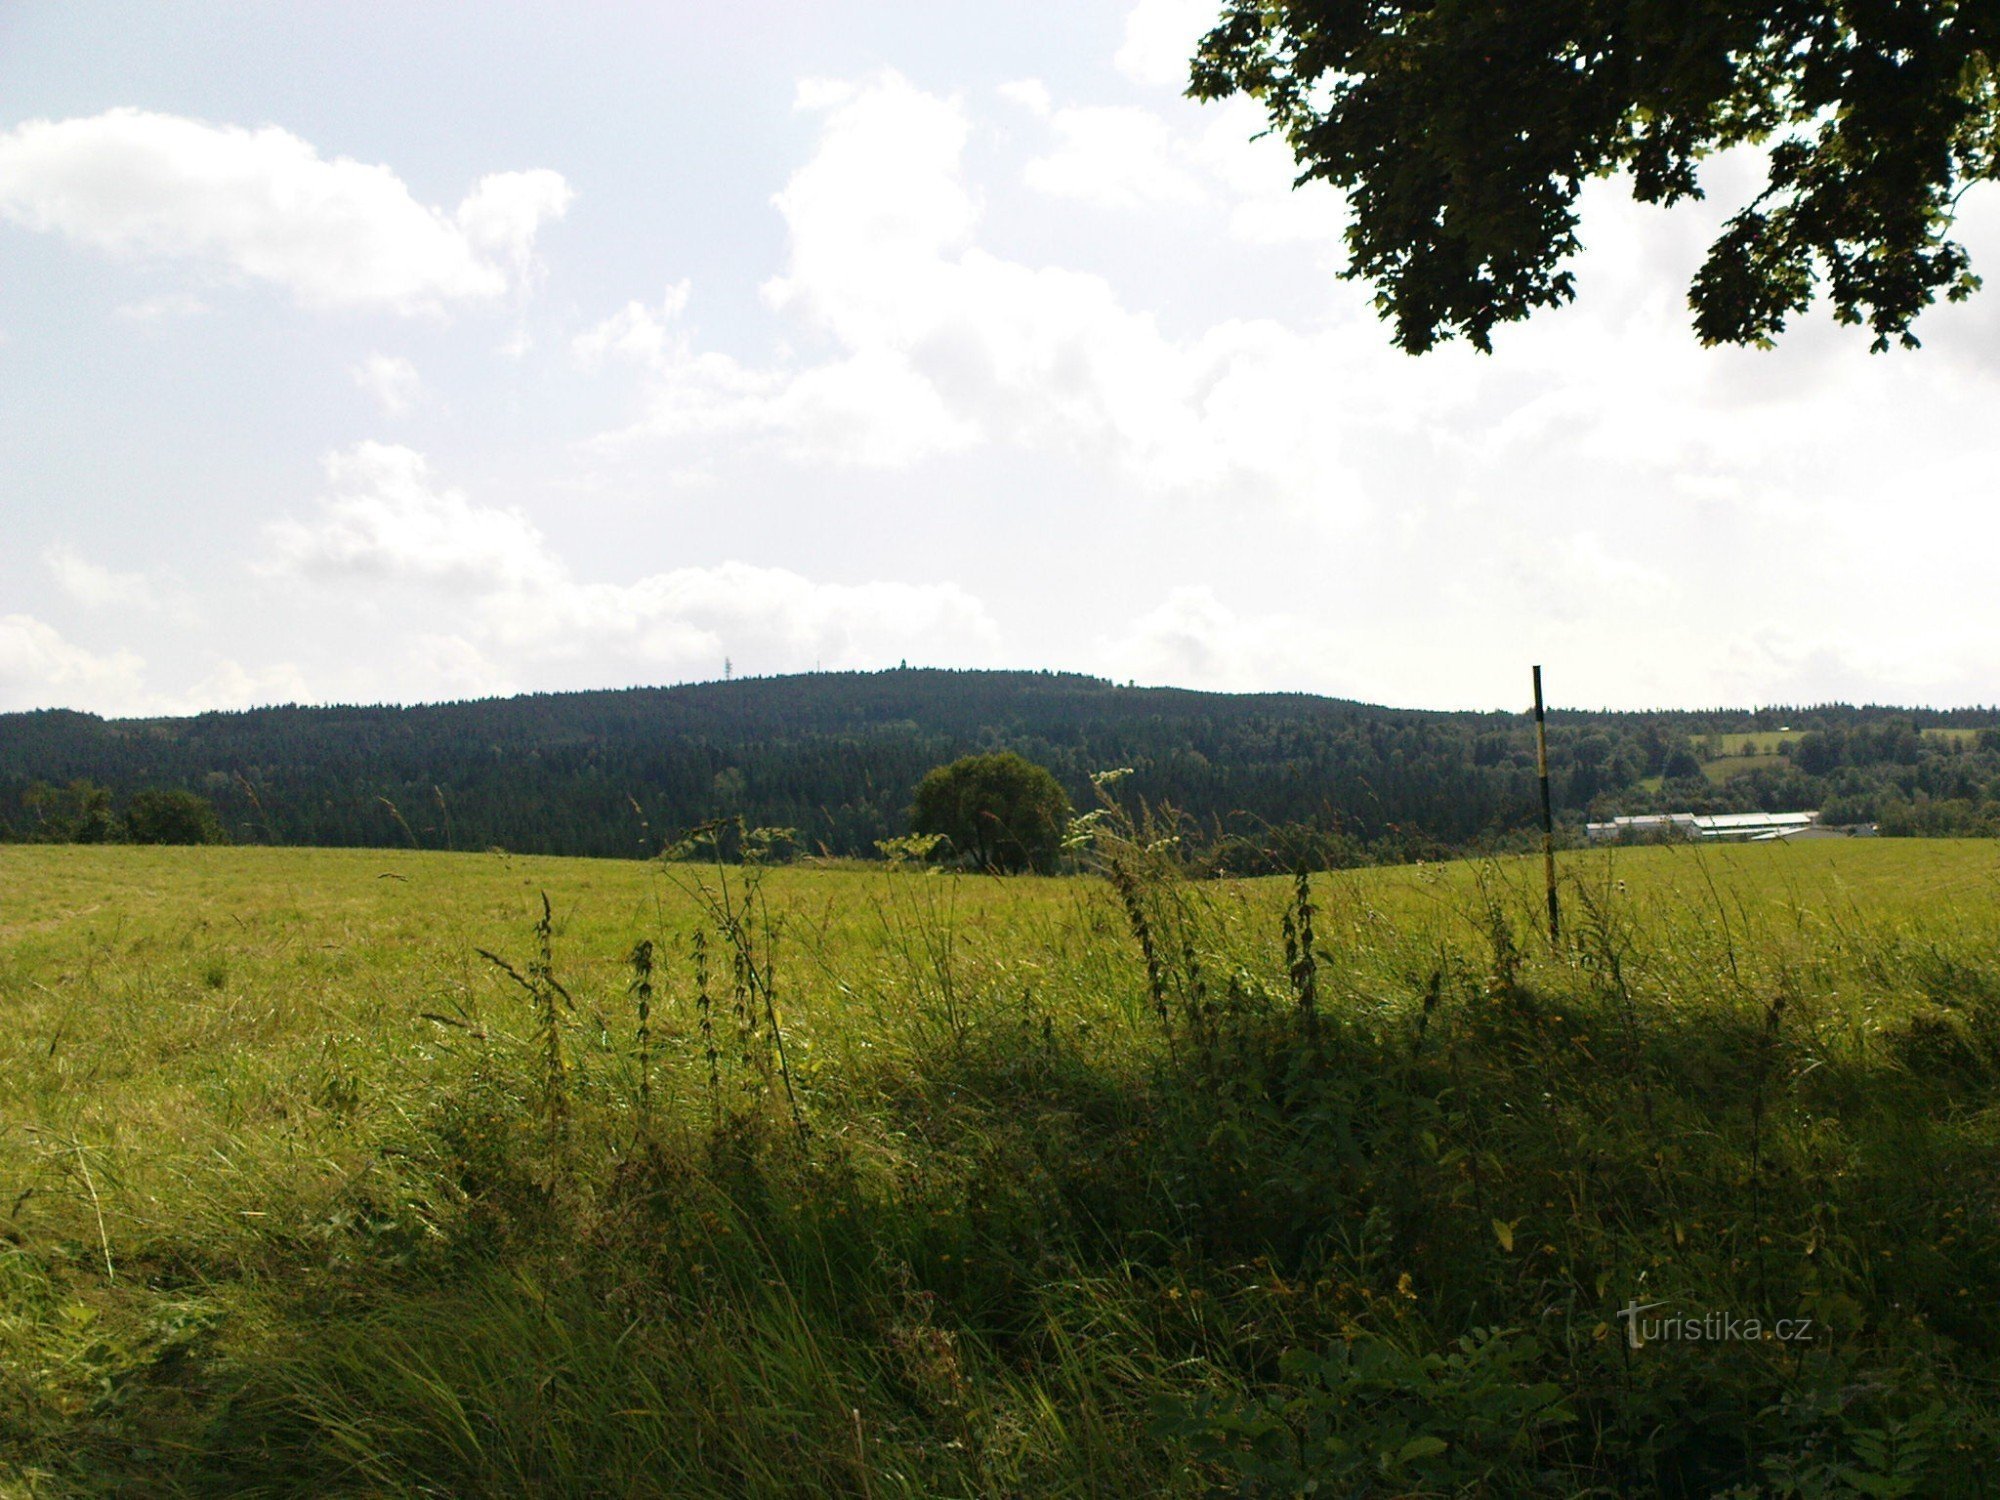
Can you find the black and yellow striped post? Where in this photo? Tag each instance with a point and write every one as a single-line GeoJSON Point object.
{"type": "Point", "coordinates": [1548, 814]}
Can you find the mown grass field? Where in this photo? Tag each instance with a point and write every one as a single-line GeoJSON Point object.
{"type": "Point", "coordinates": [1752, 742]}
{"type": "Point", "coordinates": [1037, 1186]}
{"type": "Point", "coordinates": [1749, 750]}
{"type": "Point", "coordinates": [1724, 767]}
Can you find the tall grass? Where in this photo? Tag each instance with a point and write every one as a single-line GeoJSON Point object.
{"type": "Point", "coordinates": [1136, 1185]}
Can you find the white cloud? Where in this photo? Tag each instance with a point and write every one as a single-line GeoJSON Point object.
{"type": "Point", "coordinates": [229, 684]}
{"type": "Point", "coordinates": [1223, 162]}
{"type": "Point", "coordinates": [1117, 157]}
{"type": "Point", "coordinates": [884, 261]}
{"type": "Point", "coordinates": [1030, 94]}
{"type": "Point", "coordinates": [512, 600]}
{"type": "Point", "coordinates": [1630, 608]}
{"type": "Point", "coordinates": [96, 586]}
{"type": "Point", "coordinates": [160, 309]}
{"type": "Point", "coordinates": [1192, 639]}
{"type": "Point", "coordinates": [262, 204]}
{"type": "Point", "coordinates": [444, 667]}
{"type": "Point", "coordinates": [636, 331]}
{"type": "Point", "coordinates": [767, 618]}
{"type": "Point", "coordinates": [869, 408]}
{"type": "Point", "coordinates": [941, 345]}
{"type": "Point", "coordinates": [1160, 37]}
{"type": "Point", "coordinates": [883, 201]}
{"type": "Point", "coordinates": [386, 519]}
{"type": "Point", "coordinates": [1253, 172]}
{"type": "Point", "coordinates": [40, 669]}
{"type": "Point", "coordinates": [393, 382]}
{"type": "Point", "coordinates": [506, 210]}
{"type": "Point", "coordinates": [823, 93]}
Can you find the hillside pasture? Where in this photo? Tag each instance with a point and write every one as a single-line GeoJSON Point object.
{"type": "Point", "coordinates": [1724, 767]}
{"type": "Point", "coordinates": [1040, 1186]}
{"type": "Point", "coordinates": [1751, 743]}
{"type": "Point", "coordinates": [1747, 746]}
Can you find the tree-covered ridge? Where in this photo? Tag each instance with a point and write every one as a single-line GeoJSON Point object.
{"type": "Point", "coordinates": [838, 757]}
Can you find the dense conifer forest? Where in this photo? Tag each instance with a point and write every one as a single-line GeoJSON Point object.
{"type": "Point", "coordinates": [1259, 779]}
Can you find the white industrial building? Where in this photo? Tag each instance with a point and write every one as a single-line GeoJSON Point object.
{"type": "Point", "coordinates": [1741, 828]}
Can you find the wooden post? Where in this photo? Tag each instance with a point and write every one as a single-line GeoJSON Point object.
{"type": "Point", "coordinates": [1548, 814]}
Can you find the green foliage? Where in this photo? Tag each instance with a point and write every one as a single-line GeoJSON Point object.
{"type": "Point", "coordinates": [173, 816]}
{"type": "Point", "coordinates": [550, 1001]}
{"type": "Point", "coordinates": [1365, 1417]}
{"type": "Point", "coordinates": [79, 813]}
{"type": "Point", "coordinates": [1463, 134]}
{"type": "Point", "coordinates": [1681, 766]}
{"type": "Point", "coordinates": [911, 848]}
{"type": "Point", "coordinates": [84, 812]}
{"type": "Point", "coordinates": [998, 811]}
{"type": "Point", "coordinates": [1924, 816]}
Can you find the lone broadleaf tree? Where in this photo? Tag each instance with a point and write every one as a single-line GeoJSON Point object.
{"type": "Point", "coordinates": [1462, 131]}
{"type": "Point", "coordinates": [1001, 811]}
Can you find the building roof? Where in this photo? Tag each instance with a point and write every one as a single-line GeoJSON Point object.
{"type": "Point", "coordinates": [1750, 825]}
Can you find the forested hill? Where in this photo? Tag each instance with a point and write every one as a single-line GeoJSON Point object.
{"type": "Point", "coordinates": [836, 757]}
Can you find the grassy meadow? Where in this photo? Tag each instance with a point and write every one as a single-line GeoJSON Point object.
{"type": "Point", "coordinates": [1751, 742]}
{"type": "Point", "coordinates": [877, 1182]}
{"type": "Point", "coordinates": [1726, 756]}
{"type": "Point", "coordinates": [1727, 767]}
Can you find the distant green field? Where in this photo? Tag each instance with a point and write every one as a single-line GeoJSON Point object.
{"type": "Point", "coordinates": [1722, 768]}
{"type": "Point", "coordinates": [299, 1193]}
{"type": "Point", "coordinates": [1740, 751]}
{"type": "Point", "coordinates": [1748, 743]}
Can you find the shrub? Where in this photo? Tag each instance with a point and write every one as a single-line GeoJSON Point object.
{"type": "Point", "coordinates": [1000, 811]}
{"type": "Point", "coordinates": [172, 816]}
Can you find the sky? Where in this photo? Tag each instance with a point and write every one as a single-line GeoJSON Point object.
{"type": "Point", "coordinates": [368, 352]}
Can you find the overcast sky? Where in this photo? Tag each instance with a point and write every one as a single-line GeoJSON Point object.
{"type": "Point", "coordinates": [376, 352]}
